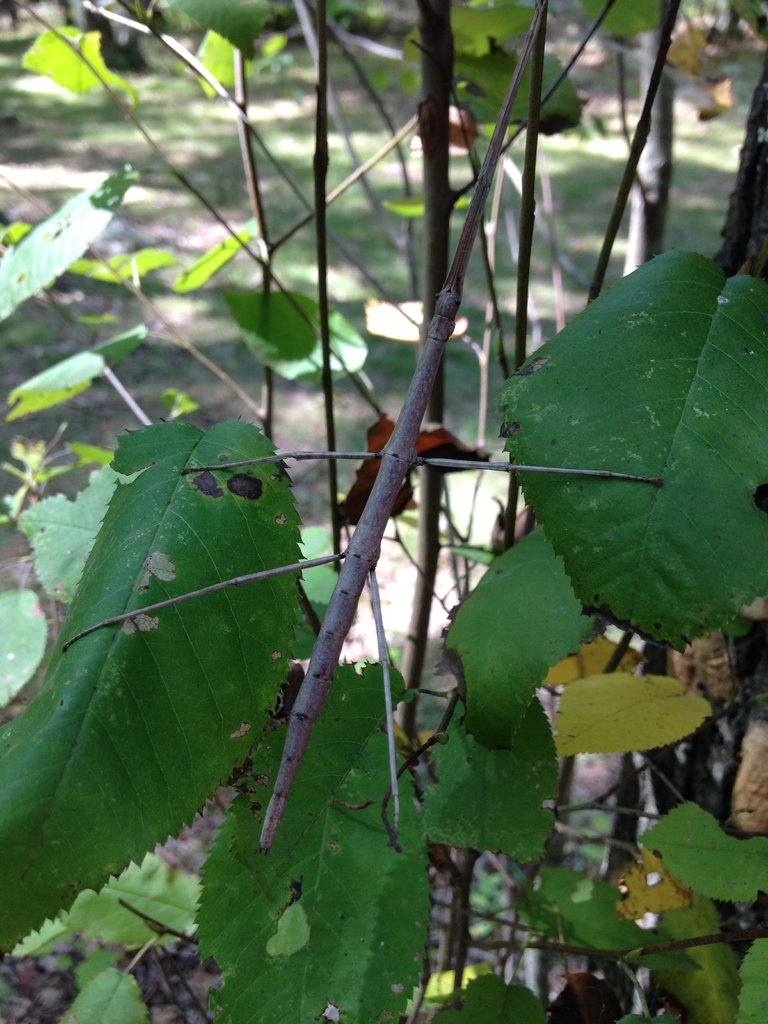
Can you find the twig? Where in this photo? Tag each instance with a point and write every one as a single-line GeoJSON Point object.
{"type": "Point", "coordinates": [155, 925]}
{"type": "Point", "coordinates": [638, 144]}
{"type": "Point", "coordinates": [740, 935]}
{"type": "Point", "coordinates": [423, 460]}
{"type": "Point", "coordinates": [235, 581]}
{"type": "Point", "coordinates": [381, 641]}
{"type": "Point", "coordinates": [126, 396]}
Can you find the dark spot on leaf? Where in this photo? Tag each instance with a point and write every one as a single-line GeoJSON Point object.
{"type": "Point", "coordinates": [296, 889]}
{"type": "Point", "coordinates": [245, 486]}
{"type": "Point", "coordinates": [207, 484]}
{"type": "Point", "coordinates": [224, 457]}
{"type": "Point", "coordinates": [281, 468]}
{"type": "Point", "coordinates": [760, 498]}
{"type": "Point", "coordinates": [532, 367]}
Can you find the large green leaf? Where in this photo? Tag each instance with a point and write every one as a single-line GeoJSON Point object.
{"type": "Point", "coordinates": [23, 633]}
{"type": "Point", "coordinates": [665, 376]}
{"type": "Point", "coordinates": [703, 857]}
{"type": "Point", "coordinates": [137, 723]}
{"type": "Point", "coordinates": [753, 997]}
{"type": "Point", "coordinates": [477, 31]}
{"type": "Point", "coordinates": [568, 907]}
{"type": "Point", "coordinates": [483, 84]}
{"type": "Point", "coordinates": [492, 799]}
{"type": "Point", "coordinates": [62, 531]}
{"type": "Point", "coordinates": [626, 17]}
{"type": "Point", "coordinates": [282, 329]}
{"type": "Point", "coordinates": [708, 995]}
{"type": "Point", "coordinates": [239, 21]}
{"type": "Point", "coordinates": [519, 621]}
{"type": "Point", "coordinates": [46, 251]}
{"type": "Point", "coordinates": [56, 54]}
{"type": "Point", "coordinates": [355, 939]}
{"type": "Point", "coordinates": [490, 1001]}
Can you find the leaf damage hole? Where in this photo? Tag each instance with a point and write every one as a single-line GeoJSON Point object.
{"type": "Point", "coordinates": [140, 624]}
{"type": "Point", "coordinates": [245, 486]}
{"type": "Point", "coordinates": [207, 484]}
{"type": "Point", "coordinates": [243, 729]}
{"type": "Point", "coordinates": [533, 367]}
{"type": "Point", "coordinates": [760, 498]}
{"type": "Point", "coordinates": [159, 565]}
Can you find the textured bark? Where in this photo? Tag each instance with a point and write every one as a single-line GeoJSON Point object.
{"type": "Point", "coordinates": [746, 223]}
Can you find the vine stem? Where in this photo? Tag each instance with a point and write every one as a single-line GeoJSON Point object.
{"type": "Point", "coordinates": [363, 552]}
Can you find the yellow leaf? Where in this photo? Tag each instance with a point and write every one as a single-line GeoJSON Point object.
{"type": "Point", "coordinates": [589, 660]}
{"type": "Point", "coordinates": [720, 99]}
{"type": "Point", "coordinates": [401, 322]}
{"type": "Point", "coordinates": [617, 712]}
{"type": "Point", "coordinates": [685, 51]}
{"type": "Point", "coordinates": [649, 889]}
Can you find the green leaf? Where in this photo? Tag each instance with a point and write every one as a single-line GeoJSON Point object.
{"type": "Point", "coordinates": [490, 1001]}
{"type": "Point", "coordinates": [709, 995]}
{"type": "Point", "coordinates": [87, 454]}
{"type": "Point", "coordinates": [568, 907]}
{"type": "Point", "coordinates": [23, 633]}
{"type": "Point", "coordinates": [483, 83]}
{"type": "Point", "coordinates": [626, 17]}
{"type": "Point", "coordinates": [134, 266]}
{"type": "Point", "coordinates": [58, 383]}
{"type": "Point", "coordinates": [62, 533]}
{"type": "Point", "coordinates": [492, 799]}
{"type": "Point", "coordinates": [153, 888]}
{"type": "Point", "coordinates": [475, 29]}
{"type": "Point", "coordinates": [292, 932]}
{"type": "Point", "coordinates": [282, 329]}
{"type": "Point", "coordinates": [357, 946]}
{"type": "Point", "coordinates": [703, 857]}
{"type": "Point", "coordinates": [413, 206]}
{"type": "Point", "coordinates": [239, 21]}
{"type": "Point", "coordinates": [211, 263]}
{"type": "Point", "coordinates": [753, 997]}
{"type": "Point", "coordinates": [218, 56]}
{"type": "Point", "coordinates": [58, 241]}
{"type": "Point", "coordinates": [608, 713]}
{"type": "Point", "coordinates": [94, 964]}
{"type": "Point", "coordinates": [44, 939]}
{"type": "Point", "coordinates": [117, 348]}
{"type": "Point", "coordinates": [634, 1018]}
{"type": "Point", "coordinates": [110, 996]}
{"type": "Point", "coordinates": [752, 12]}
{"type": "Point", "coordinates": [13, 233]}
{"type": "Point", "coordinates": [665, 376]}
{"type": "Point", "coordinates": [178, 403]}
{"type": "Point", "coordinates": [137, 723]}
{"type": "Point", "coordinates": [57, 55]}
{"type": "Point", "coordinates": [521, 619]}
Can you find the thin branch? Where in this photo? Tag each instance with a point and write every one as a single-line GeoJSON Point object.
{"type": "Point", "coordinates": [235, 581]}
{"type": "Point", "coordinates": [422, 460]}
{"type": "Point", "coordinates": [718, 938]}
{"type": "Point", "coordinates": [381, 642]}
{"type": "Point", "coordinates": [638, 144]}
{"type": "Point", "coordinates": [110, 375]}
{"type": "Point", "coordinates": [320, 175]}
{"type": "Point", "coordinates": [155, 925]}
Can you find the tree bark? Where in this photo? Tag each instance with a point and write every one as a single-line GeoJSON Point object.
{"type": "Point", "coordinates": [746, 223]}
{"type": "Point", "coordinates": [650, 193]}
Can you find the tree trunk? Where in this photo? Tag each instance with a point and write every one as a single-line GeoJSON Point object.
{"type": "Point", "coordinates": [746, 224]}
{"type": "Point", "coordinates": [436, 72]}
{"type": "Point", "coordinates": [650, 193]}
